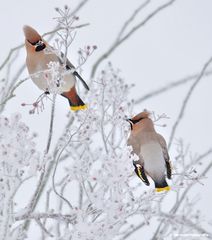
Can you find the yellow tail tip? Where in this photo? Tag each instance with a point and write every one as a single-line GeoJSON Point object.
{"type": "Point", "coordinates": [167, 188]}
{"type": "Point", "coordinates": [76, 108]}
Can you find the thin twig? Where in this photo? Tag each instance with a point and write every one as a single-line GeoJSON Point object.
{"type": "Point", "coordinates": [17, 75]}
{"type": "Point", "coordinates": [11, 95]}
{"type": "Point", "coordinates": [132, 17]}
{"type": "Point", "coordinates": [116, 43]}
{"type": "Point", "coordinates": [69, 218]}
{"type": "Point", "coordinates": [180, 219]}
{"type": "Point", "coordinates": [53, 180]}
{"type": "Point", "coordinates": [43, 228]}
{"type": "Point", "coordinates": [62, 28]}
{"type": "Point", "coordinates": [10, 54]}
{"type": "Point", "coordinates": [37, 192]}
{"type": "Point", "coordinates": [170, 86]}
{"type": "Point", "coordinates": [51, 33]}
{"type": "Point", "coordinates": [180, 200]}
{"type": "Point", "coordinates": [58, 159]}
{"type": "Point", "coordinates": [133, 231]}
{"type": "Point", "coordinates": [186, 100]}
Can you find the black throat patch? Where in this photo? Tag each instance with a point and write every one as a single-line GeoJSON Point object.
{"type": "Point", "coordinates": [39, 45]}
{"type": "Point", "coordinates": [39, 48]}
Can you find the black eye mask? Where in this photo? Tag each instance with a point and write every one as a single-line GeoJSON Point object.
{"type": "Point", "coordinates": [136, 121]}
{"type": "Point", "coordinates": [39, 45]}
{"type": "Point", "coordinates": [133, 122]}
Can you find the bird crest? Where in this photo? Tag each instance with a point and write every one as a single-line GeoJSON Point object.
{"type": "Point", "coordinates": [31, 34]}
{"type": "Point", "coordinates": [142, 115]}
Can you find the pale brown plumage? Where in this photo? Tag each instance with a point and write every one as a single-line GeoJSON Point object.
{"type": "Point", "coordinates": [37, 64]}
{"type": "Point", "coordinates": [31, 34]}
{"type": "Point", "coordinates": [152, 151]}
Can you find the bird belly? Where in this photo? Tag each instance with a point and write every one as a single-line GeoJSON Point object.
{"type": "Point", "coordinates": [69, 82]}
{"type": "Point", "coordinates": [154, 163]}
{"type": "Point", "coordinates": [40, 81]}
{"type": "Point", "coordinates": [44, 80]}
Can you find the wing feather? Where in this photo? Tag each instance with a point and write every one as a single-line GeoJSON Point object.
{"type": "Point", "coordinates": [163, 145]}
{"type": "Point", "coordinates": [70, 66]}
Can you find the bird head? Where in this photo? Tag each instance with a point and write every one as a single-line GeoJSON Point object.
{"type": "Point", "coordinates": [138, 119]}
{"type": "Point", "coordinates": [33, 40]}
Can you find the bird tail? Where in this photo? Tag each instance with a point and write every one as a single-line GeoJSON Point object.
{"type": "Point", "coordinates": [75, 102]}
{"type": "Point", "coordinates": [162, 186]}
{"type": "Point", "coordinates": [77, 105]}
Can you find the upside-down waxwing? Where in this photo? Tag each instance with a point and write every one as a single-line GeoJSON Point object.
{"type": "Point", "coordinates": [152, 151]}
{"type": "Point", "coordinates": [37, 62]}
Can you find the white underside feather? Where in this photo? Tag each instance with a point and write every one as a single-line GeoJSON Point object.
{"type": "Point", "coordinates": [154, 163]}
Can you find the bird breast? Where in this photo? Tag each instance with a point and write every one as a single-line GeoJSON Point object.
{"type": "Point", "coordinates": [154, 163]}
{"type": "Point", "coordinates": [44, 77]}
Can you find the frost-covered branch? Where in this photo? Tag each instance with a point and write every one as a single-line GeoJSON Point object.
{"type": "Point", "coordinates": [183, 186]}
{"type": "Point", "coordinates": [87, 181]}
{"type": "Point", "coordinates": [37, 192]}
{"type": "Point", "coordinates": [19, 161]}
{"type": "Point", "coordinates": [69, 218]}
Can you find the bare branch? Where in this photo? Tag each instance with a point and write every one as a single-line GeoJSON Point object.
{"type": "Point", "coordinates": [51, 125]}
{"type": "Point", "coordinates": [78, 7]}
{"type": "Point", "coordinates": [11, 94]}
{"type": "Point", "coordinates": [62, 28]}
{"type": "Point", "coordinates": [69, 218]}
{"type": "Point", "coordinates": [118, 42]}
{"type": "Point", "coordinates": [132, 17]}
{"type": "Point", "coordinates": [43, 228]}
{"type": "Point", "coordinates": [186, 100]}
{"type": "Point", "coordinates": [172, 85]}
{"type": "Point", "coordinates": [186, 221]}
{"type": "Point", "coordinates": [134, 229]}
{"type": "Point", "coordinates": [9, 55]}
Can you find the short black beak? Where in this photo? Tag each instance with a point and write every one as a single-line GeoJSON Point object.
{"type": "Point", "coordinates": [129, 120]}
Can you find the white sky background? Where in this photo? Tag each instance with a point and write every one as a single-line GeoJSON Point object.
{"type": "Point", "coordinates": [176, 43]}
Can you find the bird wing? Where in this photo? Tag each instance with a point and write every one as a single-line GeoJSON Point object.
{"type": "Point", "coordinates": [70, 66]}
{"type": "Point", "coordinates": [136, 149]}
{"type": "Point", "coordinates": [163, 145]}
{"type": "Point", "coordinates": [134, 144]}
{"type": "Point", "coordinates": [139, 165]}
{"type": "Point", "coordinates": [139, 170]}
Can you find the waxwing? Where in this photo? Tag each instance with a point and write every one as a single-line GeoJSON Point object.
{"type": "Point", "coordinates": [152, 151]}
{"type": "Point", "coordinates": [37, 61]}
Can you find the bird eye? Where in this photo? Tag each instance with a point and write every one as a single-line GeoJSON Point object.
{"type": "Point", "coordinates": [39, 42]}
{"type": "Point", "coordinates": [136, 121]}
